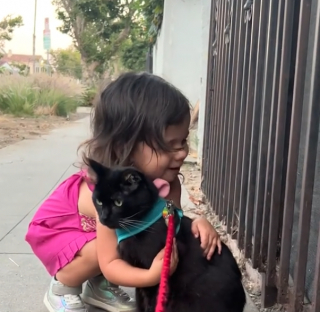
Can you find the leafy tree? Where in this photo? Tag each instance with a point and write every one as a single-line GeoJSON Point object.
{"type": "Point", "coordinates": [67, 62]}
{"type": "Point", "coordinates": [133, 55]}
{"type": "Point", "coordinates": [23, 69]}
{"type": "Point", "coordinates": [7, 27]}
{"type": "Point", "coordinates": [143, 35]}
{"type": "Point", "coordinates": [152, 11]}
{"type": "Point", "coordinates": [97, 28]}
{"type": "Point", "coordinates": [105, 32]}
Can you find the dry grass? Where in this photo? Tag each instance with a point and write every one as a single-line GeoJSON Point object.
{"type": "Point", "coordinates": [39, 95]}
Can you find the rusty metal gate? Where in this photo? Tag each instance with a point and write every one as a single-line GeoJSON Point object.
{"type": "Point", "coordinates": [260, 167]}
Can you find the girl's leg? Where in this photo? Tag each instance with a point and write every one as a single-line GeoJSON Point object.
{"type": "Point", "coordinates": [84, 266]}
{"type": "Point", "coordinates": [66, 287]}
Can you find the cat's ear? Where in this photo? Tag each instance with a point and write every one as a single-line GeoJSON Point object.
{"type": "Point", "coordinates": [98, 169]}
{"type": "Point", "coordinates": [132, 177]}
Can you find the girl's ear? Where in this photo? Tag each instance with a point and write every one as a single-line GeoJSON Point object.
{"type": "Point", "coordinates": [163, 187]}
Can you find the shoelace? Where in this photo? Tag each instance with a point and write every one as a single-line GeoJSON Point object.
{"type": "Point", "coordinates": [120, 292]}
{"type": "Point", "coordinates": [72, 300]}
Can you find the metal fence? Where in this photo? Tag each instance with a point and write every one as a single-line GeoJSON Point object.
{"type": "Point", "coordinates": [261, 138]}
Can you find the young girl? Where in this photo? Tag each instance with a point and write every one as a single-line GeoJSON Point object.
{"type": "Point", "coordinates": [139, 120]}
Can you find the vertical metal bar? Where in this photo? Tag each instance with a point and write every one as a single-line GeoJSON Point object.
{"type": "Point", "coordinates": [288, 53]}
{"type": "Point", "coordinates": [248, 117]}
{"type": "Point", "coordinates": [308, 174]}
{"type": "Point", "coordinates": [237, 193]}
{"type": "Point", "coordinates": [316, 284]}
{"type": "Point", "coordinates": [296, 119]}
{"type": "Point", "coordinates": [220, 108]}
{"type": "Point", "coordinates": [225, 110]}
{"type": "Point", "coordinates": [213, 103]}
{"type": "Point", "coordinates": [229, 113]}
{"type": "Point", "coordinates": [264, 128]}
{"type": "Point", "coordinates": [258, 91]}
{"type": "Point", "coordinates": [216, 104]}
{"type": "Point", "coordinates": [269, 170]}
{"type": "Point", "coordinates": [208, 106]}
{"type": "Point", "coordinates": [255, 17]}
{"type": "Point", "coordinates": [221, 111]}
{"type": "Point", "coordinates": [237, 109]}
{"type": "Point", "coordinates": [229, 174]}
{"type": "Point", "coordinates": [254, 77]}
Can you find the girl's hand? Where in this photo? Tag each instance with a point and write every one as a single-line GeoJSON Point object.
{"type": "Point", "coordinates": [156, 266]}
{"type": "Point", "coordinates": [209, 237]}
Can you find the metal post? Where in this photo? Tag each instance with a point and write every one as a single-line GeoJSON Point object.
{"type": "Point", "coordinates": [48, 62]}
{"type": "Point", "coordinates": [34, 36]}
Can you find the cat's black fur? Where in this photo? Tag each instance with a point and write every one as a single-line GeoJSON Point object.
{"type": "Point", "coordinates": [198, 285]}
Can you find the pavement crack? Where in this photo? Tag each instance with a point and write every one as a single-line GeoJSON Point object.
{"type": "Point", "coordinates": [16, 253]}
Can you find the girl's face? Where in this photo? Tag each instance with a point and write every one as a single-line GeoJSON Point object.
{"type": "Point", "coordinates": [164, 165]}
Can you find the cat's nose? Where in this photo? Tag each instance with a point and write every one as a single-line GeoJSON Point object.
{"type": "Point", "coordinates": [104, 214]}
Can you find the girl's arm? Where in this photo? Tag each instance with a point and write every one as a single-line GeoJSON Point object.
{"type": "Point", "coordinates": [113, 268]}
{"type": "Point", "coordinates": [116, 270]}
{"type": "Point", "coordinates": [201, 227]}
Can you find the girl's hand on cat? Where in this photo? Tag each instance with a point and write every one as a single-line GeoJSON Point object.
{"type": "Point", "coordinates": [156, 266]}
{"type": "Point", "coordinates": [209, 237]}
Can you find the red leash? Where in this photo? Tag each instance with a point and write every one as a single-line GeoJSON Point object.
{"type": "Point", "coordinates": [165, 274]}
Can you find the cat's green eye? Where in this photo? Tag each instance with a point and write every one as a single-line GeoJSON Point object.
{"type": "Point", "coordinates": [118, 202]}
{"type": "Point", "coordinates": [98, 202]}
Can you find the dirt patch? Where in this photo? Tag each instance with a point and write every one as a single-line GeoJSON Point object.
{"type": "Point", "coordinates": [15, 129]}
{"type": "Point", "coordinates": [192, 182]}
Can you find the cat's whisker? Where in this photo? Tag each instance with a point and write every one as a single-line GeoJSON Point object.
{"type": "Point", "coordinates": [128, 218]}
{"type": "Point", "coordinates": [133, 225]}
{"type": "Point", "coordinates": [124, 227]}
{"type": "Point", "coordinates": [137, 222]}
{"type": "Point", "coordinates": [137, 226]}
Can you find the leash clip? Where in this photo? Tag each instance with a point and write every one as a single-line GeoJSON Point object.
{"type": "Point", "coordinates": [170, 207]}
{"type": "Point", "coordinates": [168, 211]}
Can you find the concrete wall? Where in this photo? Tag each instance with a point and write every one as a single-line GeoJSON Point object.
{"type": "Point", "coordinates": [178, 48]}
{"type": "Point", "coordinates": [181, 52]}
{"type": "Point", "coordinates": [206, 9]}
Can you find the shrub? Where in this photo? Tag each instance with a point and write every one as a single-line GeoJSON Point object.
{"type": "Point", "coordinates": [88, 96]}
{"type": "Point", "coordinates": [39, 95]}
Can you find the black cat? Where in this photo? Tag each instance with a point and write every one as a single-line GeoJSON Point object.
{"type": "Point", "coordinates": [124, 199]}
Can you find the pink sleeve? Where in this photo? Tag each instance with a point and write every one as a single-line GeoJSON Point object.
{"type": "Point", "coordinates": [87, 179]}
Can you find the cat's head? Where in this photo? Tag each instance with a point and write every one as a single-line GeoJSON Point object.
{"type": "Point", "coordinates": [123, 193]}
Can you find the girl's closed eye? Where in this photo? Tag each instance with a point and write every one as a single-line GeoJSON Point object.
{"type": "Point", "coordinates": [184, 143]}
{"type": "Point", "coordinates": [178, 144]}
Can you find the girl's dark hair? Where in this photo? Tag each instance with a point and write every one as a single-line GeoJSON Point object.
{"type": "Point", "coordinates": [133, 108]}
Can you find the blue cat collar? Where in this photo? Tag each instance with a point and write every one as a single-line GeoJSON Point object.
{"type": "Point", "coordinates": [151, 217]}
